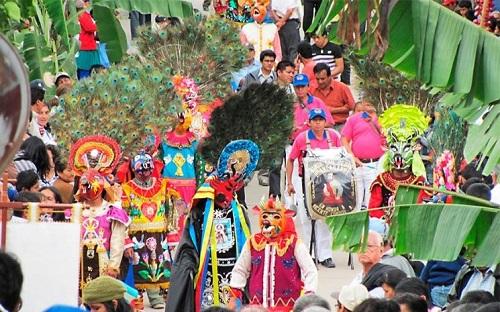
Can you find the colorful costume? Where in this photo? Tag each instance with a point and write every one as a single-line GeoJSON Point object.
{"type": "Point", "coordinates": [104, 226]}
{"type": "Point", "coordinates": [402, 125]}
{"type": "Point", "coordinates": [147, 200]}
{"type": "Point", "coordinates": [216, 230]}
{"type": "Point", "coordinates": [273, 262]}
{"type": "Point", "coordinates": [237, 10]}
{"type": "Point", "coordinates": [179, 147]}
{"type": "Point", "coordinates": [178, 152]}
{"type": "Point", "coordinates": [263, 36]}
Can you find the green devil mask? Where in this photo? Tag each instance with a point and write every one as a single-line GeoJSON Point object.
{"type": "Point", "coordinates": [402, 125]}
{"type": "Point", "coordinates": [400, 152]}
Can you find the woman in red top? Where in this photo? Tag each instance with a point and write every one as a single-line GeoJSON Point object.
{"type": "Point", "coordinates": [88, 56]}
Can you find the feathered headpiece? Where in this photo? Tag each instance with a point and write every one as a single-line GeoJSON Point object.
{"type": "Point", "coordinates": [267, 104]}
{"type": "Point", "coordinates": [96, 152]}
{"type": "Point", "coordinates": [444, 172]}
{"type": "Point", "coordinates": [236, 162]}
{"type": "Point", "coordinates": [403, 125]}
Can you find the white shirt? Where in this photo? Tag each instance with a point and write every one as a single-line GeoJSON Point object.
{"type": "Point", "coordinates": [495, 194]}
{"type": "Point", "coordinates": [261, 36]}
{"type": "Point", "coordinates": [480, 281]}
{"type": "Point", "coordinates": [265, 79]}
{"type": "Point", "coordinates": [281, 6]}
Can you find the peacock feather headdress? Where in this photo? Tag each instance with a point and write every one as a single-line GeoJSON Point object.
{"type": "Point", "coordinates": [126, 103]}
{"type": "Point", "coordinates": [207, 51]}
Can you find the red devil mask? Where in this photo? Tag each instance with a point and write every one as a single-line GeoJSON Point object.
{"type": "Point", "coordinates": [224, 189]}
{"type": "Point", "coordinates": [259, 10]}
{"type": "Point", "coordinates": [91, 185]}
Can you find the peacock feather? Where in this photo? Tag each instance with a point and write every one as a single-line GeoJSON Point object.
{"type": "Point", "coordinates": [124, 103]}
{"type": "Point", "coordinates": [384, 86]}
{"type": "Point", "coordinates": [262, 113]}
{"type": "Point", "coordinates": [206, 51]}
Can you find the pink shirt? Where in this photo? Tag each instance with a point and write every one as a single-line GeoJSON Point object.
{"type": "Point", "coordinates": [300, 143]}
{"type": "Point", "coordinates": [308, 70]}
{"type": "Point", "coordinates": [301, 115]}
{"type": "Point", "coordinates": [366, 141]}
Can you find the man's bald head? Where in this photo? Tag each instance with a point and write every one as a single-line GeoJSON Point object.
{"type": "Point", "coordinates": [374, 250]}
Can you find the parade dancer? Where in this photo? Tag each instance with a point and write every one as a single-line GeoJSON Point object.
{"type": "Point", "coordinates": [402, 126]}
{"type": "Point", "coordinates": [274, 263]}
{"type": "Point", "coordinates": [153, 231]}
{"type": "Point", "coordinates": [104, 223]}
{"type": "Point", "coordinates": [215, 232]}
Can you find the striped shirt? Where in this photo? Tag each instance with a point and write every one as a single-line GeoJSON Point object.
{"type": "Point", "coordinates": [327, 54]}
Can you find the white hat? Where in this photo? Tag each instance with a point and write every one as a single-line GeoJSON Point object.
{"type": "Point", "coordinates": [352, 295]}
{"type": "Point", "coordinates": [60, 75]}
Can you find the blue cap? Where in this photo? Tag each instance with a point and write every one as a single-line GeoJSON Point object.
{"type": "Point", "coordinates": [300, 80]}
{"type": "Point", "coordinates": [317, 112]}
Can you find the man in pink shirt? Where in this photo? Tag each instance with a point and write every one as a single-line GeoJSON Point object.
{"type": "Point", "coordinates": [305, 103]}
{"type": "Point", "coordinates": [363, 138]}
{"type": "Point", "coordinates": [317, 137]}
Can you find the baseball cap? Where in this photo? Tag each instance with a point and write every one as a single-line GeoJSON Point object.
{"type": "Point", "coordinates": [37, 84]}
{"type": "Point", "coordinates": [300, 80]}
{"type": "Point", "coordinates": [317, 112]}
{"type": "Point", "coordinates": [379, 226]}
{"type": "Point", "coordinates": [60, 75]}
{"type": "Point", "coordinates": [352, 295]}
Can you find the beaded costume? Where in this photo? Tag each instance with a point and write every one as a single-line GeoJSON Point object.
{"type": "Point", "coordinates": [274, 261]}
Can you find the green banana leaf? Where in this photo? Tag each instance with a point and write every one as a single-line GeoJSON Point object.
{"type": "Point", "coordinates": [346, 230]}
{"type": "Point", "coordinates": [177, 8]}
{"type": "Point", "coordinates": [429, 231]}
{"type": "Point", "coordinates": [12, 10]}
{"type": "Point", "coordinates": [110, 32]}
{"type": "Point", "coordinates": [36, 55]}
{"type": "Point", "coordinates": [55, 9]}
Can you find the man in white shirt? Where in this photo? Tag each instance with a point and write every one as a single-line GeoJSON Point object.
{"type": "Point", "coordinates": [286, 16]}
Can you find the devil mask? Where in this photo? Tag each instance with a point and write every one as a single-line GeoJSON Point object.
{"type": "Point", "coordinates": [272, 217]}
{"type": "Point", "coordinates": [91, 185]}
{"type": "Point", "coordinates": [259, 10]}
{"type": "Point", "coordinates": [224, 189]}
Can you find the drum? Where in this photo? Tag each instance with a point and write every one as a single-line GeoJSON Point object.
{"type": "Point", "coordinates": [329, 184]}
{"type": "Point", "coordinates": [15, 106]}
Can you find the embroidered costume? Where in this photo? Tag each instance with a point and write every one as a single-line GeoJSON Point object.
{"type": "Point", "coordinates": [402, 125]}
{"type": "Point", "coordinates": [148, 201]}
{"type": "Point", "coordinates": [216, 230]}
{"type": "Point", "coordinates": [104, 224]}
{"type": "Point", "coordinates": [273, 262]}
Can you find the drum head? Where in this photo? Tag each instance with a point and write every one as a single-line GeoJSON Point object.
{"type": "Point", "coordinates": [14, 102]}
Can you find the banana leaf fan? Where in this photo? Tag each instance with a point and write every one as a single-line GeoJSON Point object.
{"type": "Point", "coordinates": [430, 231]}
